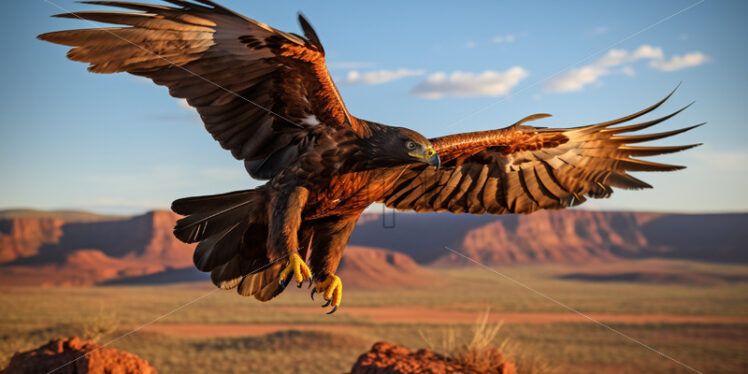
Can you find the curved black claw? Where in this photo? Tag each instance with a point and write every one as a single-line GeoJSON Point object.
{"type": "Point", "coordinates": [334, 308]}
{"type": "Point", "coordinates": [310, 284]}
{"type": "Point", "coordinates": [327, 303]}
{"type": "Point", "coordinates": [284, 282]}
{"type": "Point", "coordinates": [312, 295]}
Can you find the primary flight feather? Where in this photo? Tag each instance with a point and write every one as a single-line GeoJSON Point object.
{"type": "Point", "coordinates": [266, 96]}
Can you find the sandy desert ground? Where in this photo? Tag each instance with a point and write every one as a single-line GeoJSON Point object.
{"type": "Point", "coordinates": [702, 325]}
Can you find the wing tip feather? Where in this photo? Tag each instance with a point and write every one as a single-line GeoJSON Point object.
{"type": "Point", "coordinates": [634, 115]}
{"type": "Point", "coordinates": [649, 137]}
{"type": "Point", "coordinates": [643, 125]}
{"type": "Point", "coordinates": [655, 151]}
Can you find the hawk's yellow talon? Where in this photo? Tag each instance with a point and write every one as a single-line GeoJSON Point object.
{"type": "Point", "coordinates": [297, 267]}
{"type": "Point", "coordinates": [332, 290]}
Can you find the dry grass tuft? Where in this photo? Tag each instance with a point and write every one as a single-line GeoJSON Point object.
{"type": "Point", "coordinates": [481, 351]}
{"type": "Point", "coordinates": [97, 326]}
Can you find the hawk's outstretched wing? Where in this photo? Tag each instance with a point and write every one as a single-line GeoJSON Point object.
{"type": "Point", "coordinates": [520, 169]}
{"type": "Point", "coordinates": [259, 91]}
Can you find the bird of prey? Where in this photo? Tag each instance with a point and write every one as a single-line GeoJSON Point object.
{"type": "Point", "coordinates": [267, 96]}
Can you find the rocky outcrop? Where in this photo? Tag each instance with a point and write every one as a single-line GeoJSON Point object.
{"type": "Point", "coordinates": [72, 355]}
{"type": "Point", "coordinates": [22, 237]}
{"type": "Point", "coordinates": [143, 250]}
{"type": "Point", "coordinates": [569, 236]}
{"type": "Point", "coordinates": [387, 358]}
{"type": "Point", "coordinates": [51, 251]}
{"type": "Point", "coordinates": [77, 248]}
{"type": "Point", "coordinates": [24, 231]}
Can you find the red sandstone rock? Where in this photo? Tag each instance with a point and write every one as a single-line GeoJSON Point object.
{"type": "Point", "coordinates": [22, 237]}
{"type": "Point", "coordinates": [573, 236]}
{"type": "Point", "coordinates": [50, 249]}
{"type": "Point", "coordinates": [85, 253]}
{"type": "Point", "coordinates": [387, 358]}
{"type": "Point", "coordinates": [61, 354]}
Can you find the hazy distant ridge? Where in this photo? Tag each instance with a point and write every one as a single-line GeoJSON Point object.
{"type": "Point", "coordinates": [78, 248]}
{"type": "Point", "coordinates": [570, 236]}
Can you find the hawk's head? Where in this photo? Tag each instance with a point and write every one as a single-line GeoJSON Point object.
{"type": "Point", "coordinates": [392, 146]}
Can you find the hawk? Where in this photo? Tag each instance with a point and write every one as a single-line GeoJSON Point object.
{"type": "Point", "coordinates": [267, 96]}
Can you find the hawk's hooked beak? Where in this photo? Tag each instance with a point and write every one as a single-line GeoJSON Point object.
{"type": "Point", "coordinates": [429, 157]}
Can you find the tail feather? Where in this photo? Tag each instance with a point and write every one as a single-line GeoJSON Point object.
{"type": "Point", "coordinates": [262, 285]}
{"type": "Point", "coordinates": [191, 205]}
{"type": "Point", "coordinates": [219, 248]}
{"type": "Point", "coordinates": [220, 223]}
{"type": "Point", "coordinates": [210, 215]}
{"type": "Point", "coordinates": [242, 274]}
{"type": "Point", "coordinates": [231, 229]}
{"type": "Point", "coordinates": [228, 275]}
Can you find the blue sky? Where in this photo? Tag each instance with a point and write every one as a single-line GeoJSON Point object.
{"type": "Point", "coordinates": [117, 143]}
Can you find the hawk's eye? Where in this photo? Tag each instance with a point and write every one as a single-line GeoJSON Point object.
{"type": "Point", "coordinates": [411, 145]}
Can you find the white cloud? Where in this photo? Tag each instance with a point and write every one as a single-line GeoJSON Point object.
{"type": "Point", "coordinates": [679, 62]}
{"type": "Point", "coordinates": [577, 79]}
{"type": "Point", "coordinates": [647, 51]}
{"type": "Point", "coordinates": [379, 76]}
{"type": "Point", "coordinates": [470, 44]}
{"type": "Point", "coordinates": [613, 57]}
{"type": "Point", "coordinates": [488, 83]}
{"type": "Point", "coordinates": [616, 57]}
{"type": "Point", "coordinates": [509, 38]}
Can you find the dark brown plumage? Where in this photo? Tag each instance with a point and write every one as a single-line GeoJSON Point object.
{"type": "Point", "coordinates": [267, 96]}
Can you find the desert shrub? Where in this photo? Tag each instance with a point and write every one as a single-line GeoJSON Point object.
{"type": "Point", "coordinates": [97, 326]}
{"type": "Point", "coordinates": [482, 351]}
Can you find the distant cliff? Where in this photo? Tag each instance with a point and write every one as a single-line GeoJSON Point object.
{"type": "Point", "coordinates": [50, 250]}
{"type": "Point", "coordinates": [22, 237]}
{"type": "Point", "coordinates": [570, 236]}
{"type": "Point", "coordinates": [83, 249]}
{"type": "Point", "coordinates": [54, 251]}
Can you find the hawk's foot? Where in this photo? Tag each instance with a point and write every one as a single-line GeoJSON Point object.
{"type": "Point", "coordinates": [297, 269]}
{"type": "Point", "coordinates": [332, 290]}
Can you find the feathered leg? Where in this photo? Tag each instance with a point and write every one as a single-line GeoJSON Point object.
{"type": "Point", "coordinates": [285, 221]}
{"type": "Point", "coordinates": [330, 238]}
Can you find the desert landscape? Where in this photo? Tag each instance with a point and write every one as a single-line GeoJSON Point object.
{"type": "Point", "coordinates": [486, 168]}
{"type": "Point", "coordinates": [675, 282]}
